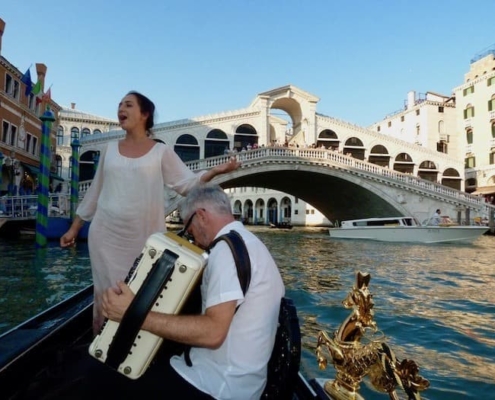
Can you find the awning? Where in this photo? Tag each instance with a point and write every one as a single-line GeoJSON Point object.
{"type": "Point", "coordinates": [36, 171]}
{"type": "Point", "coordinates": [485, 190]}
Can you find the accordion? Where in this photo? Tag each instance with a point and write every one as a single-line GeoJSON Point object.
{"type": "Point", "coordinates": [162, 278]}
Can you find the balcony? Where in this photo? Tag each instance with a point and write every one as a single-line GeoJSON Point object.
{"type": "Point", "coordinates": [444, 137]}
{"type": "Point", "coordinates": [469, 148]}
{"type": "Point", "coordinates": [492, 143]}
{"type": "Point", "coordinates": [492, 116]}
{"type": "Point", "coordinates": [467, 123]}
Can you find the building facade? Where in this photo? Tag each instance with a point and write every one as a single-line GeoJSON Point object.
{"type": "Point", "coordinates": [21, 129]}
{"type": "Point", "coordinates": [475, 103]}
{"type": "Point", "coordinates": [77, 124]}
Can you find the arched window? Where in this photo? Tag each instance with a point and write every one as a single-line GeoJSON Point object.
{"type": "Point", "coordinates": [469, 111]}
{"type": "Point", "coordinates": [85, 132]}
{"type": "Point", "coordinates": [469, 136]}
{"type": "Point", "coordinates": [60, 135]}
{"type": "Point", "coordinates": [493, 130]}
{"type": "Point", "coordinates": [96, 132]}
{"type": "Point", "coordinates": [74, 133]}
{"type": "Point", "coordinates": [440, 127]}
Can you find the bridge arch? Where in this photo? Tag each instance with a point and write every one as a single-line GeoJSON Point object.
{"type": "Point", "coordinates": [379, 156]}
{"type": "Point", "coordinates": [293, 108]}
{"type": "Point", "coordinates": [451, 178]}
{"type": "Point", "coordinates": [187, 147]}
{"type": "Point", "coordinates": [329, 139]}
{"type": "Point", "coordinates": [355, 148]}
{"type": "Point", "coordinates": [245, 135]}
{"type": "Point", "coordinates": [404, 163]}
{"type": "Point", "coordinates": [215, 143]}
{"type": "Point", "coordinates": [428, 170]}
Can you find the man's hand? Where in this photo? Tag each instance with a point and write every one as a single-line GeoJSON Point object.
{"type": "Point", "coordinates": [116, 301]}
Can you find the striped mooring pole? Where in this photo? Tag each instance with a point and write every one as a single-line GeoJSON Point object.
{"type": "Point", "coordinates": [74, 179]}
{"type": "Point", "coordinates": [44, 179]}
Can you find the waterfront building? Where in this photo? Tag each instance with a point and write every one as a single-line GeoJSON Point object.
{"type": "Point", "coordinates": [20, 135]}
{"type": "Point", "coordinates": [74, 123]}
{"type": "Point", "coordinates": [262, 206]}
{"type": "Point", "coordinates": [475, 102]}
{"type": "Point", "coordinates": [461, 125]}
{"type": "Point", "coordinates": [426, 119]}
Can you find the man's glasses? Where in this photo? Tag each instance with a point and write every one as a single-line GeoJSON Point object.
{"type": "Point", "coordinates": [183, 232]}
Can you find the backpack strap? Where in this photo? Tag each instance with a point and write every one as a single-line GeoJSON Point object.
{"type": "Point", "coordinates": [242, 263]}
{"type": "Point", "coordinates": [241, 257]}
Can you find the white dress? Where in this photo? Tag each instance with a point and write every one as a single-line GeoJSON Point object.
{"type": "Point", "coordinates": [126, 204]}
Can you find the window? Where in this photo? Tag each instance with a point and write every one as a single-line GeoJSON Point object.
{"type": "Point", "coordinates": [491, 81]}
{"type": "Point", "coordinates": [493, 130]}
{"type": "Point", "coordinates": [74, 133]}
{"type": "Point", "coordinates": [32, 144]}
{"type": "Point", "coordinates": [85, 132]}
{"type": "Point", "coordinates": [9, 133]}
{"type": "Point", "coordinates": [492, 158]}
{"type": "Point", "coordinates": [60, 136]}
{"type": "Point", "coordinates": [468, 90]}
{"type": "Point", "coordinates": [15, 91]}
{"type": "Point", "coordinates": [13, 135]}
{"type": "Point", "coordinates": [469, 136]}
{"type": "Point", "coordinates": [8, 84]}
{"type": "Point", "coordinates": [389, 124]}
{"type": "Point", "coordinates": [491, 103]}
{"type": "Point", "coordinates": [378, 128]}
{"type": "Point", "coordinates": [96, 132]}
{"type": "Point", "coordinates": [417, 112]}
{"type": "Point", "coordinates": [440, 126]}
{"type": "Point", "coordinates": [402, 119]}
{"type": "Point", "coordinates": [418, 130]}
{"type": "Point", "coordinates": [470, 162]}
{"type": "Point", "coordinates": [469, 112]}
{"type": "Point", "coordinates": [5, 131]}
{"type": "Point", "coordinates": [440, 109]}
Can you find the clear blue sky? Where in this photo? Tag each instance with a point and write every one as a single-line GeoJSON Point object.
{"type": "Point", "coordinates": [196, 57]}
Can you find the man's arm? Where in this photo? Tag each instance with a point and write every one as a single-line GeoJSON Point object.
{"type": "Point", "coordinates": [208, 330]}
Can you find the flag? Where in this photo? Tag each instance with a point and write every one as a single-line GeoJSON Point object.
{"type": "Point", "coordinates": [36, 88]}
{"type": "Point", "coordinates": [26, 79]}
{"type": "Point", "coordinates": [47, 96]}
{"type": "Point", "coordinates": [36, 91]}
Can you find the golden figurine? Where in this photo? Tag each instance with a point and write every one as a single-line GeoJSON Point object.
{"type": "Point", "coordinates": [358, 350]}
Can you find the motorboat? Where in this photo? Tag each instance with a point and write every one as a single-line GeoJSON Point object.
{"type": "Point", "coordinates": [281, 225]}
{"type": "Point", "coordinates": [407, 229]}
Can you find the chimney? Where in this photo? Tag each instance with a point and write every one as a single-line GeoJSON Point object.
{"type": "Point", "coordinates": [41, 71]}
{"type": "Point", "coordinates": [2, 29]}
{"type": "Point", "coordinates": [411, 99]}
{"type": "Point", "coordinates": [73, 106]}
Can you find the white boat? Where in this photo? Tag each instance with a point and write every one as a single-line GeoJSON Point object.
{"type": "Point", "coordinates": [406, 229]}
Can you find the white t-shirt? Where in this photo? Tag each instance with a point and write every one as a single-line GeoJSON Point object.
{"type": "Point", "coordinates": [238, 368]}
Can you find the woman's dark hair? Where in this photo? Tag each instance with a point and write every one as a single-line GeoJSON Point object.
{"type": "Point", "coordinates": [147, 107]}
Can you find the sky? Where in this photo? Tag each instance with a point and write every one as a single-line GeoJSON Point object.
{"type": "Point", "coordinates": [198, 57]}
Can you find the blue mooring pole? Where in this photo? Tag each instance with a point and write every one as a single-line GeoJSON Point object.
{"type": "Point", "coordinates": [44, 179]}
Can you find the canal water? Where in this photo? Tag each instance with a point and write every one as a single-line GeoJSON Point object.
{"type": "Point", "coordinates": [434, 303]}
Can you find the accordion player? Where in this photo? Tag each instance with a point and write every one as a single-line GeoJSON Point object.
{"type": "Point", "coordinates": [162, 278]}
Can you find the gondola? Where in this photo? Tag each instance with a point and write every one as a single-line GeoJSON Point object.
{"type": "Point", "coordinates": [46, 357]}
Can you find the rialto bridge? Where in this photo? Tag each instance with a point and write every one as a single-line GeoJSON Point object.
{"type": "Point", "coordinates": [341, 169]}
{"type": "Point", "coordinates": [339, 186]}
